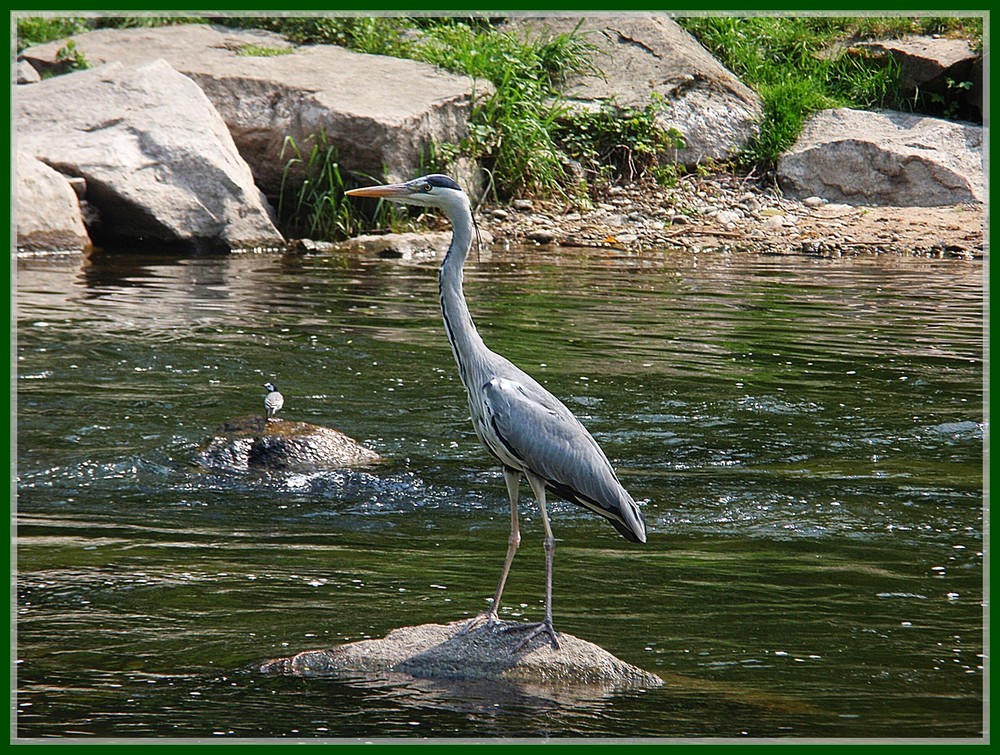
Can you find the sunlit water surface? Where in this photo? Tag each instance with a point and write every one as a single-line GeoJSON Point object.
{"type": "Point", "coordinates": [805, 436]}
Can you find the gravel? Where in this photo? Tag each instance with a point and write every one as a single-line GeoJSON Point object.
{"type": "Point", "coordinates": [729, 212]}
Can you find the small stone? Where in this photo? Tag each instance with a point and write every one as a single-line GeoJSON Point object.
{"type": "Point", "coordinates": [311, 245]}
{"type": "Point", "coordinates": [499, 214]}
{"type": "Point", "coordinates": [813, 202]}
{"type": "Point", "coordinates": [26, 73]}
{"type": "Point", "coordinates": [727, 217]}
{"type": "Point", "coordinates": [773, 223]}
{"type": "Point", "coordinates": [679, 220]}
{"type": "Point", "coordinates": [542, 236]}
{"type": "Point", "coordinates": [523, 204]}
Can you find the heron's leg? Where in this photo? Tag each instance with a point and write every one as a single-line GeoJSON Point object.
{"type": "Point", "coordinates": [513, 480]}
{"type": "Point", "coordinates": [538, 488]}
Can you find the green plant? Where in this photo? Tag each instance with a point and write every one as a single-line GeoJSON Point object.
{"type": "Point", "coordinates": [71, 58]}
{"type": "Point", "coordinates": [262, 51]}
{"type": "Point", "coordinates": [37, 30]}
{"type": "Point", "coordinates": [511, 130]}
{"type": "Point", "coordinates": [311, 201]}
{"type": "Point", "coordinates": [622, 142]}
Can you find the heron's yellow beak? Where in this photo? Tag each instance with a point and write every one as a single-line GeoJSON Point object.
{"type": "Point", "coordinates": [389, 190]}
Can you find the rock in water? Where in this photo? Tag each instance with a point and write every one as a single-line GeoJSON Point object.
{"type": "Point", "coordinates": [158, 163]}
{"type": "Point", "coordinates": [438, 651]}
{"type": "Point", "coordinates": [249, 442]}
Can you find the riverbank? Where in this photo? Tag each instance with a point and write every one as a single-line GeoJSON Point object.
{"type": "Point", "coordinates": [726, 211]}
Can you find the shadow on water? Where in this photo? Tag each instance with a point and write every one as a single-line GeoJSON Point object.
{"type": "Point", "coordinates": [805, 437]}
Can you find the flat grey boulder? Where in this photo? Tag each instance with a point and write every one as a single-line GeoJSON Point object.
{"type": "Point", "coordinates": [245, 443]}
{"type": "Point", "coordinates": [885, 158]}
{"type": "Point", "coordinates": [49, 217]}
{"type": "Point", "coordinates": [157, 160]}
{"type": "Point", "coordinates": [640, 55]}
{"type": "Point", "coordinates": [381, 113]}
{"type": "Point", "coordinates": [927, 63]}
{"type": "Point", "coordinates": [438, 651]}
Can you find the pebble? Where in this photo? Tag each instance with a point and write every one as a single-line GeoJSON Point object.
{"type": "Point", "coordinates": [761, 219]}
{"type": "Point", "coordinates": [727, 217]}
{"type": "Point", "coordinates": [542, 236]}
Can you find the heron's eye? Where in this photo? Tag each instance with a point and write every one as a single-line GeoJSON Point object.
{"type": "Point", "coordinates": [425, 188]}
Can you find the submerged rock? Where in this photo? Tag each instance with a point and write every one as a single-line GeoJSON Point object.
{"type": "Point", "coordinates": [438, 651]}
{"type": "Point", "coordinates": [246, 443]}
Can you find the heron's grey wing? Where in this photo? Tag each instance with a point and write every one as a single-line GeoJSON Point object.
{"type": "Point", "coordinates": [539, 431]}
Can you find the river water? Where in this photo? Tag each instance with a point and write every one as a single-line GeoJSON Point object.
{"type": "Point", "coordinates": [805, 436]}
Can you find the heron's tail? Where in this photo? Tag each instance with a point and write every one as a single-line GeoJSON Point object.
{"type": "Point", "coordinates": [633, 527]}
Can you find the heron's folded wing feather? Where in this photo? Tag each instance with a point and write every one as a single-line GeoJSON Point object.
{"type": "Point", "coordinates": [538, 429]}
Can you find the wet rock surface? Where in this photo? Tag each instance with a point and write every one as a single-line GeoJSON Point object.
{"type": "Point", "coordinates": [250, 442]}
{"type": "Point", "coordinates": [438, 651]}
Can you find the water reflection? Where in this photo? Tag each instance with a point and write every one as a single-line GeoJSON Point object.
{"type": "Point", "coordinates": [805, 434]}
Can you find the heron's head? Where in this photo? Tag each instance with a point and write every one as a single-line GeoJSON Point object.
{"type": "Point", "coordinates": [270, 387]}
{"type": "Point", "coordinates": [427, 191]}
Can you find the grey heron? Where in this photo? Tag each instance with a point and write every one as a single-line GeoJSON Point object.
{"type": "Point", "coordinates": [529, 431]}
{"type": "Point", "coordinates": [273, 401]}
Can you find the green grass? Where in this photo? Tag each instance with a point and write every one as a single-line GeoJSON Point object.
{"type": "Point", "coordinates": [263, 51]}
{"type": "Point", "coordinates": [311, 203]}
{"type": "Point", "coordinates": [801, 65]}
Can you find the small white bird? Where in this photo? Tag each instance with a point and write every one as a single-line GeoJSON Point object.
{"type": "Point", "coordinates": [273, 401]}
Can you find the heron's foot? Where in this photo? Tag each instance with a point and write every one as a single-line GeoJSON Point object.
{"type": "Point", "coordinates": [489, 618]}
{"type": "Point", "coordinates": [537, 629]}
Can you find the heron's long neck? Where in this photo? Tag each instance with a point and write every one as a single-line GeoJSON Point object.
{"type": "Point", "coordinates": [466, 343]}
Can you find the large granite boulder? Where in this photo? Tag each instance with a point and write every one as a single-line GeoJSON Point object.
{"type": "Point", "coordinates": [642, 55]}
{"type": "Point", "coordinates": [49, 218]}
{"type": "Point", "coordinates": [245, 443]}
{"type": "Point", "coordinates": [885, 158]}
{"type": "Point", "coordinates": [382, 114]}
{"type": "Point", "coordinates": [158, 163]}
{"type": "Point", "coordinates": [439, 651]}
